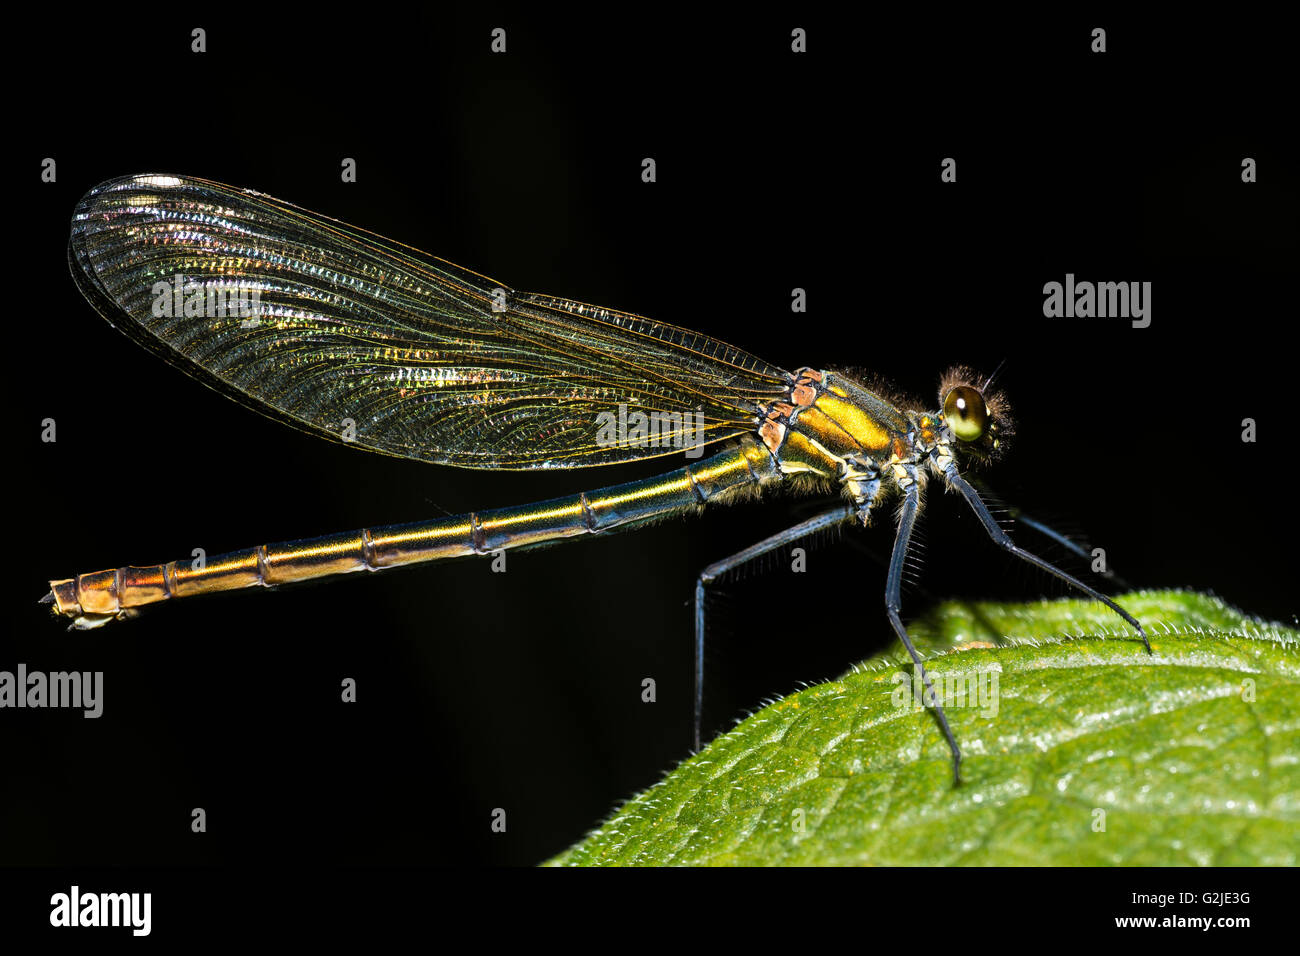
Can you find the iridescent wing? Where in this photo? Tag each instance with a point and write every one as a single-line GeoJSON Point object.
{"type": "Point", "coordinates": [354, 337]}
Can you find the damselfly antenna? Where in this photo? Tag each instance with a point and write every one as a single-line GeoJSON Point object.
{"type": "Point", "coordinates": [988, 382]}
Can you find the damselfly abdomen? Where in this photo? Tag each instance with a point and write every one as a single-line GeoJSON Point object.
{"type": "Point", "coordinates": [352, 337]}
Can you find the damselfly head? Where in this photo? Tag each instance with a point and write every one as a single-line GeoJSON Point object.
{"type": "Point", "coordinates": [978, 417]}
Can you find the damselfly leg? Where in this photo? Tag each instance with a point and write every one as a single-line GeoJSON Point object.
{"type": "Point", "coordinates": [1003, 540]}
{"type": "Point", "coordinates": [894, 604]}
{"type": "Point", "coordinates": [827, 519]}
{"type": "Point", "coordinates": [1072, 546]}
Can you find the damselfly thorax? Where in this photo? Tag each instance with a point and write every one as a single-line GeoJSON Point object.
{"type": "Point", "coordinates": [354, 338]}
{"type": "Point", "coordinates": [830, 426]}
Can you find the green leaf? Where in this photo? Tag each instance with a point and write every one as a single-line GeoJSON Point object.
{"type": "Point", "coordinates": [1098, 753]}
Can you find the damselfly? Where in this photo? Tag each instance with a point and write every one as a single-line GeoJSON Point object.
{"type": "Point", "coordinates": [358, 339]}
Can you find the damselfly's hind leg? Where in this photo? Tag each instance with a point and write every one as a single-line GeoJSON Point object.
{"type": "Point", "coordinates": [894, 604]}
{"type": "Point", "coordinates": [1003, 540]}
{"type": "Point", "coordinates": [826, 519]}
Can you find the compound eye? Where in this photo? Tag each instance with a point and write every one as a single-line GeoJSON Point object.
{"type": "Point", "coordinates": [965, 412]}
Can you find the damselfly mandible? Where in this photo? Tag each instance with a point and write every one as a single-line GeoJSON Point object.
{"type": "Point", "coordinates": [355, 338]}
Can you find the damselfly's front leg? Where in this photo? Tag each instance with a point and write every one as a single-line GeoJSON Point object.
{"type": "Point", "coordinates": [1003, 540]}
{"type": "Point", "coordinates": [1020, 518]}
{"type": "Point", "coordinates": [826, 519]}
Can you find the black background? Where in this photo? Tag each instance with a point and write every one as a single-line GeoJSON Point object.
{"type": "Point", "coordinates": [522, 690]}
